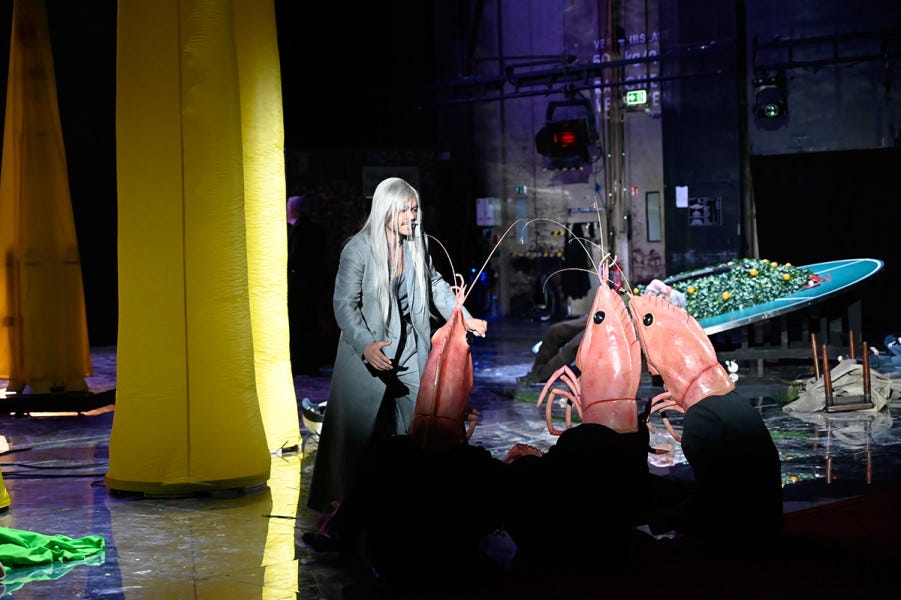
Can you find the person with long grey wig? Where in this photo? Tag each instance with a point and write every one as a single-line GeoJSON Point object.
{"type": "Point", "coordinates": [385, 289]}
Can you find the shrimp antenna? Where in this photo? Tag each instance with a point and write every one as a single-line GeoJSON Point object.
{"type": "Point", "coordinates": [581, 241]}
{"type": "Point", "coordinates": [609, 263]}
{"type": "Point", "coordinates": [460, 286]}
{"type": "Point", "coordinates": [490, 254]}
{"type": "Point", "coordinates": [589, 271]}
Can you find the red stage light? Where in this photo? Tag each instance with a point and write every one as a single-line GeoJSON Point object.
{"type": "Point", "coordinates": [564, 139]}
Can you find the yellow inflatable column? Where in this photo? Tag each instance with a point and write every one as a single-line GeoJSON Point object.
{"type": "Point", "coordinates": [187, 414]}
{"type": "Point", "coordinates": [259, 80]}
{"type": "Point", "coordinates": [5, 499]}
{"type": "Point", "coordinates": [281, 569]}
{"type": "Point", "coordinates": [44, 336]}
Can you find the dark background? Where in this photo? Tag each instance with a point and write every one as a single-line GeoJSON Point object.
{"type": "Point", "coordinates": [337, 63]}
{"type": "Point", "coordinates": [340, 64]}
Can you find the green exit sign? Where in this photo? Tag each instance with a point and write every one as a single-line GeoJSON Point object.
{"type": "Point", "coordinates": [636, 97]}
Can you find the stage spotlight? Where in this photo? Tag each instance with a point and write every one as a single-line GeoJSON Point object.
{"type": "Point", "coordinates": [569, 143]}
{"type": "Point", "coordinates": [770, 101]}
{"type": "Point", "coordinates": [564, 139]}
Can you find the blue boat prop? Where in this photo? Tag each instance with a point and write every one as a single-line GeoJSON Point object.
{"type": "Point", "coordinates": [837, 275]}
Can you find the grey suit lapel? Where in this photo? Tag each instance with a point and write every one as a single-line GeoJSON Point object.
{"type": "Point", "coordinates": [410, 279]}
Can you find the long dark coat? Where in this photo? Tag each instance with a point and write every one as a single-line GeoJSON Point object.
{"type": "Point", "coordinates": [364, 404]}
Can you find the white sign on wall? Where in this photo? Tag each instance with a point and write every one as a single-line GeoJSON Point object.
{"type": "Point", "coordinates": [681, 196]}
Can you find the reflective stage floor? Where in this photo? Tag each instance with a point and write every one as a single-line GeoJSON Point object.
{"type": "Point", "coordinates": [246, 545]}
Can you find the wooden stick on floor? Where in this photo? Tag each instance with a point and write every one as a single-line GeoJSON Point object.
{"type": "Point", "coordinates": [866, 372]}
{"type": "Point", "coordinates": [827, 378]}
{"type": "Point", "coordinates": [816, 358]}
{"type": "Point", "coordinates": [851, 343]}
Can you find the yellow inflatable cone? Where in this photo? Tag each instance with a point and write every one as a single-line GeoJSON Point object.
{"type": "Point", "coordinates": [43, 329]}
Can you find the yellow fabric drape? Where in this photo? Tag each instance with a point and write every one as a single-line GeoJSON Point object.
{"type": "Point", "coordinates": [187, 411]}
{"type": "Point", "coordinates": [259, 80]}
{"type": "Point", "coordinates": [44, 338]}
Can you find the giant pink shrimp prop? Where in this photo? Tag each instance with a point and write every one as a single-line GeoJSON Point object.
{"type": "Point", "coordinates": [442, 409]}
{"type": "Point", "coordinates": [609, 359]}
{"type": "Point", "coordinates": [676, 348]}
{"type": "Point", "coordinates": [441, 405]}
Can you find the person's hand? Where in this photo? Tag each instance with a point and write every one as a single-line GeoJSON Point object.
{"type": "Point", "coordinates": [657, 288]}
{"type": "Point", "coordinates": [477, 327]}
{"type": "Point", "coordinates": [375, 357]}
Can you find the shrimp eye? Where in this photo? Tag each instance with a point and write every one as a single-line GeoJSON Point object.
{"type": "Point", "coordinates": [599, 317]}
{"type": "Point", "coordinates": [648, 319]}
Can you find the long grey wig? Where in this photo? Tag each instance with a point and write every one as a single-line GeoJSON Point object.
{"type": "Point", "coordinates": [390, 198]}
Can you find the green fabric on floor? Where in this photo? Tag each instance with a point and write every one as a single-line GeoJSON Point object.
{"type": "Point", "coordinates": [20, 548]}
{"type": "Point", "coordinates": [17, 578]}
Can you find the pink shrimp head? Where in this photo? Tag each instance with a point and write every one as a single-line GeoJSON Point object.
{"type": "Point", "coordinates": [676, 347]}
{"type": "Point", "coordinates": [609, 362]}
{"type": "Point", "coordinates": [609, 359]}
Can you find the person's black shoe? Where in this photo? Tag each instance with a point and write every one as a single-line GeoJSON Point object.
{"type": "Point", "coordinates": [323, 542]}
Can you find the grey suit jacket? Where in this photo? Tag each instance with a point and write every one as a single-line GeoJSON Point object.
{"type": "Point", "coordinates": [356, 304]}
